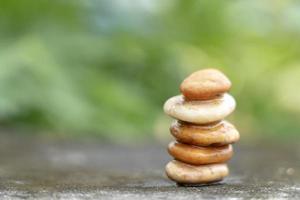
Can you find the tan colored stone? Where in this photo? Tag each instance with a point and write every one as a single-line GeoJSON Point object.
{"type": "Point", "coordinates": [200, 155]}
{"type": "Point", "coordinates": [216, 134]}
{"type": "Point", "coordinates": [190, 174]}
{"type": "Point", "coordinates": [205, 84]}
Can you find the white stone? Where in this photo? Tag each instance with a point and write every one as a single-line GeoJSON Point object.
{"type": "Point", "coordinates": [200, 112]}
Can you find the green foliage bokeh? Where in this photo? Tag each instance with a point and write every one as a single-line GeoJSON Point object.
{"type": "Point", "coordinates": [108, 66]}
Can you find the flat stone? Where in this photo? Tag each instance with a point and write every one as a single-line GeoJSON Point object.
{"type": "Point", "coordinates": [215, 134]}
{"type": "Point", "coordinates": [191, 175]}
{"type": "Point", "coordinates": [196, 155]}
{"type": "Point", "coordinates": [200, 112]}
{"type": "Point", "coordinates": [40, 167]}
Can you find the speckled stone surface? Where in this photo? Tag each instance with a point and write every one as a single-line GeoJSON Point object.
{"type": "Point", "coordinates": [48, 168]}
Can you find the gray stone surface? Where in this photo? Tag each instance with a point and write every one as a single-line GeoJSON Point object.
{"type": "Point", "coordinates": [48, 168]}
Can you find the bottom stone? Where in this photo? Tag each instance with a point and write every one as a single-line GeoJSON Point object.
{"type": "Point", "coordinates": [190, 174]}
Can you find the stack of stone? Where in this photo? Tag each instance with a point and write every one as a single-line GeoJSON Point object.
{"type": "Point", "coordinates": [203, 138]}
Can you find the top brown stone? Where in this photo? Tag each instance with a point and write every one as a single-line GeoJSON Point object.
{"type": "Point", "coordinates": [205, 84]}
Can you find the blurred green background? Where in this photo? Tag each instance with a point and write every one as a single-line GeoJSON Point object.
{"type": "Point", "coordinates": [76, 67]}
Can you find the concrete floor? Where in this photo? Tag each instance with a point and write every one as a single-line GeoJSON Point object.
{"type": "Point", "coordinates": [48, 168]}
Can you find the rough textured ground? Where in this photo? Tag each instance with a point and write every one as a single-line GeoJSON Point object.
{"type": "Point", "coordinates": [43, 168]}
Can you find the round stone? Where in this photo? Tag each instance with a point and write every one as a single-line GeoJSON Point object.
{"type": "Point", "coordinates": [205, 84]}
{"type": "Point", "coordinates": [200, 155]}
{"type": "Point", "coordinates": [189, 174]}
{"type": "Point", "coordinates": [215, 134]}
{"type": "Point", "coordinates": [200, 112]}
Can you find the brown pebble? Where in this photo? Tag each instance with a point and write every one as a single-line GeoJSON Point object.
{"type": "Point", "coordinates": [200, 155]}
{"type": "Point", "coordinates": [215, 134]}
{"type": "Point", "coordinates": [189, 174]}
{"type": "Point", "coordinates": [205, 84]}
